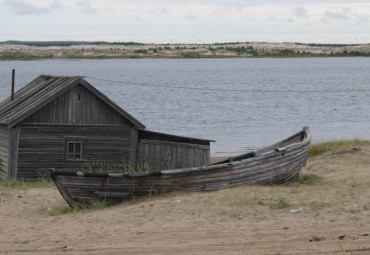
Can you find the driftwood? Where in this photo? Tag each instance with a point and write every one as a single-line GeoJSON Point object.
{"type": "Point", "coordinates": [277, 163]}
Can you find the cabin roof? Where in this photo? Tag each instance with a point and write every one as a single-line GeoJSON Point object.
{"type": "Point", "coordinates": [42, 91]}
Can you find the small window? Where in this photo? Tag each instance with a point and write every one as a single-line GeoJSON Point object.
{"type": "Point", "coordinates": [74, 150]}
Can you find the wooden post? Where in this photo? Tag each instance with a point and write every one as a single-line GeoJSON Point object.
{"type": "Point", "coordinates": [13, 77]}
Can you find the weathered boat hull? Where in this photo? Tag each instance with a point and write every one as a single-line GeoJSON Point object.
{"type": "Point", "coordinates": [277, 163]}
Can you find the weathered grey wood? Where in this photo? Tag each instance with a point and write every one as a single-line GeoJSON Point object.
{"type": "Point", "coordinates": [164, 151]}
{"type": "Point", "coordinates": [51, 110]}
{"type": "Point", "coordinates": [103, 194]}
{"type": "Point", "coordinates": [37, 95]}
{"type": "Point", "coordinates": [133, 145]}
{"type": "Point", "coordinates": [171, 155]}
{"type": "Point", "coordinates": [42, 147]}
{"type": "Point", "coordinates": [264, 166]}
{"type": "Point", "coordinates": [13, 152]}
{"type": "Point", "coordinates": [67, 109]}
{"type": "Point", "coordinates": [4, 152]}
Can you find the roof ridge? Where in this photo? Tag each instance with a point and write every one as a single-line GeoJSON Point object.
{"type": "Point", "coordinates": [60, 76]}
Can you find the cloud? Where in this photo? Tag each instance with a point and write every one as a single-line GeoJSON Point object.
{"type": "Point", "coordinates": [86, 7]}
{"type": "Point", "coordinates": [190, 17]}
{"type": "Point", "coordinates": [56, 4]}
{"type": "Point", "coordinates": [21, 8]}
{"type": "Point", "coordinates": [300, 12]}
{"type": "Point", "coordinates": [341, 15]}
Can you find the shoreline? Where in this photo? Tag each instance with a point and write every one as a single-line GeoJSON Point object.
{"type": "Point", "coordinates": [185, 51]}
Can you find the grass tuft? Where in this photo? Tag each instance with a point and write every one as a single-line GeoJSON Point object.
{"type": "Point", "coordinates": [80, 208]}
{"type": "Point", "coordinates": [279, 204]}
{"type": "Point", "coordinates": [317, 205]}
{"type": "Point", "coordinates": [309, 179]}
{"type": "Point", "coordinates": [336, 146]}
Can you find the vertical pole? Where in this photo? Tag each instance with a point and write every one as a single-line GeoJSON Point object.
{"type": "Point", "coordinates": [13, 77]}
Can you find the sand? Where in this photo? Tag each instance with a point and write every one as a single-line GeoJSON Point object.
{"type": "Point", "coordinates": [333, 218]}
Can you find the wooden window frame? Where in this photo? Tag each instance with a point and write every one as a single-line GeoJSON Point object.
{"type": "Point", "coordinates": [74, 155]}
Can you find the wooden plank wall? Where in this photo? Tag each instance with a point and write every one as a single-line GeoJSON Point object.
{"type": "Point", "coordinates": [77, 106]}
{"type": "Point", "coordinates": [42, 147]}
{"type": "Point", "coordinates": [133, 143]}
{"type": "Point", "coordinates": [4, 152]}
{"type": "Point", "coordinates": [13, 152]}
{"type": "Point", "coordinates": [162, 155]}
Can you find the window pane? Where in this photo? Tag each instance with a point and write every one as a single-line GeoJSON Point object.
{"type": "Point", "coordinates": [70, 147]}
{"type": "Point", "coordinates": [77, 148]}
{"type": "Point", "coordinates": [74, 150]}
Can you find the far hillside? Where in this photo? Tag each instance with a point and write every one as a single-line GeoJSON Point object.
{"type": "Point", "coordinates": [26, 50]}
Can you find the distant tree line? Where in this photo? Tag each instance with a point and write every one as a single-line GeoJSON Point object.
{"type": "Point", "coordinates": [327, 44]}
{"type": "Point", "coordinates": [226, 43]}
{"type": "Point", "coordinates": [67, 43]}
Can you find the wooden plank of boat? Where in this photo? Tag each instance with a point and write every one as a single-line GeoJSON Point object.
{"type": "Point", "coordinates": [276, 163]}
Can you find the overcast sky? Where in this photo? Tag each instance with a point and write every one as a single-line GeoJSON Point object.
{"type": "Point", "coordinates": [190, 21]}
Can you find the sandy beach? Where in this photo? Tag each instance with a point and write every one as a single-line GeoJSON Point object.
{"type": "Point", "coordinates": [331, 216]}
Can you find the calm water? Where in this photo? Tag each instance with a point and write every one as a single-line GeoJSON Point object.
{"type": "Point", "coordinates": [268, 106]}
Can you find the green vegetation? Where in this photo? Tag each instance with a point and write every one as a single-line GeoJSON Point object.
{"type": "Point", "coordinates": [327, 44]}
{"type": "Point", "coordinates": [19, 184]}
{"type": "Point", "coordinates": [141, 51]}
{"type": "Point", "coordinates": [243, 50]}
{"type": "Point", "coordinates": [353, 53]}
{"type": "Point", "coordinates": [287, 52]}
{"type": "Point", "coordinates": [318, 205]}
{"type": "Point", "coordinates": [21, 55]}
{"type": "Point", "coordinates": [336, 146]}
{"type": "Point", "coordinates": [279, 204]}
{"type": "Point", "coordinates": [309, 179]}
{"type": "Point", "coordinates": [229, 43]}
{"type": "Point", "coordinates": [108, 167]}
{"type": "Point", "coordinates": [67, 43]}
{"type": "Point", "coordinates": [28, 50]}
{"type": "Point", "coordinates": [190, 55]}
{"type": "Point", "coordinates": [211, 49]}
{"type": "Point", "coordinates": [80, 208]}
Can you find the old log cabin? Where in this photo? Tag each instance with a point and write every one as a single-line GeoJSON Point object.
{"type": "Point", "coordinates": [64, 122]}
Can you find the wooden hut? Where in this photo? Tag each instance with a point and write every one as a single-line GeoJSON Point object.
{"type": "Point", "coordinates": [64, 122]}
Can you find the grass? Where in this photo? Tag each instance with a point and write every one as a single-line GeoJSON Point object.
{"type": "Point", "coordinates": [318, 205]}
{"type": "Point", "coordinates": [336, 146]}
{"type": "Point", "coordinates": [20, 184]}
{"type": "Point", "coordinates": [309, 179]}
{"type": "Point", "coordinates": [108, 167]}
{"type": "Point", "coordinates": [80, 208]}
{"type": "Point", "coordinates": [279, 204]}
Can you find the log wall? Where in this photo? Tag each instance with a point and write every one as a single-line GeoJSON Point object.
{"type": "Point", "coordinates": [42, 147]}
{"type": "Point", "coordinates": [161, 155]}
{"type": "Point", "coordinates": [4, 152]}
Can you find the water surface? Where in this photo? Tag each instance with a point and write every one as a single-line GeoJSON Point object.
{"type": "Point", "coordinates": [240, 103]}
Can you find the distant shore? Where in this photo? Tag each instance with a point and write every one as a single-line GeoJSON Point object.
{"type": "Point", "coordinates": [14, 50]}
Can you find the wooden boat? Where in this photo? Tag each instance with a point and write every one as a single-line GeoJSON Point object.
{"type": "Point", "coordinates": [276, 163]}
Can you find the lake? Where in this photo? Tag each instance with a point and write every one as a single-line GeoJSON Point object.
{"type": "Point", "coordinates": [241, 103]}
